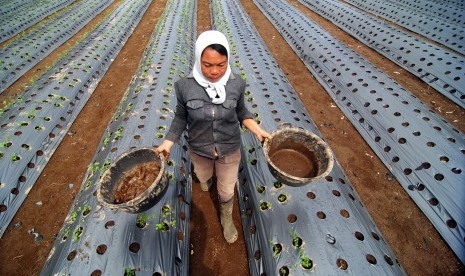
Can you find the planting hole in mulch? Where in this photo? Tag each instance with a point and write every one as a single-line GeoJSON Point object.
{"type": "Point", "coordinates": [71, 255]}
{"type": "Point", "coordinates": [141, 221]}
{"type": "Point", "coordinates": [134, 247]}
{"type": "Point", "coordinates": [277, 184]}
{"type": "Point", "coordinates": [321, 215]}
{"type": "Point", "coordinates": [292, 218]}
{"type": "Point", "coordinates": [306, 263]}
{"type": "Point", "coordinates": [136, 181]}
{"type": "Point", "coordinates": [284, 271]}
{"type": "Point", "coordinates": [101, 249]}
{"type": "Point", "coordinates": [265, 205]}
{"type": "Point", "coordinates": [371, 259]}
{"type": "Point", "coordinates": [96, 273]}
{"type": "Point", "coordinates": [297, 242]}
{"type": "Point", "coordinates": [359, 236]}
{"type": "Point", "coordinates": [109, 224]}
{"type": "Point", "coordinates": [277, 248]}
{"type": "Point", "coordinates": [388, 260]}
{"type": "Point", "coordinates": [282, 198]}
{"type": "Point", "coordinates": [342, 264]}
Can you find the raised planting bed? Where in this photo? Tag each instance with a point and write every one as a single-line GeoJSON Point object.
{"type": "Point", "coordinates": [437, 66]}
{"type": "Point", "coordinates": [293, 230]}
{"type": "Point", "coordinates": [23, 53]}
{"type": "Point", "coordinates": [17, 20]}
{"type": "Point", "coordinates": [33, 126]}
{"type": "Point", "coordinates": [435, 28]}
{"type": "Point", "coordinates": [422, 150]}
{"type": "Point", "coordinates": [146, 241]}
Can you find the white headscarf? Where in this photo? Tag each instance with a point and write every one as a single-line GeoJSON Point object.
{"type": "Point", "coordinates": [215, 90]}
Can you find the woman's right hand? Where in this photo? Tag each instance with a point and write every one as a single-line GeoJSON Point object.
{"type": "Point", "coordinates": [165, 148]}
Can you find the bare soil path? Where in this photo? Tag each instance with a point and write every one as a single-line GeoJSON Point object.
{"type": "Point", "coordinates": [415, 242]}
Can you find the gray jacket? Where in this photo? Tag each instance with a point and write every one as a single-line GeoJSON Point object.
{"type": "Point", "coordinates": [209, 125]}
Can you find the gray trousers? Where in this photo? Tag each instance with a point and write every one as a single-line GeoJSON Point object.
{"type": "Point", "coordinates": [226, 169]}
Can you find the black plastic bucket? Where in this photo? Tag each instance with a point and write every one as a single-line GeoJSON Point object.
{"type": "Point", "coordinates": [108, 184]}
{"type": "Point", "coordinates": [297, 157]}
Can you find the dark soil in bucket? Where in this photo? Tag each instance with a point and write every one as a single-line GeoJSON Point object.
{"type": "Point", "coordinates": [295, 163]}
{"type": "Point", "coordinates": [136, 181]}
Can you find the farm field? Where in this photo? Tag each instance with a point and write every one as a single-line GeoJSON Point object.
{"type": "Point", "coordinates": [417, 245]}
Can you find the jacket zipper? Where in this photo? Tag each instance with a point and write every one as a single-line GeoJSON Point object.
{"type": "Point", "coordinates": [215, 153]}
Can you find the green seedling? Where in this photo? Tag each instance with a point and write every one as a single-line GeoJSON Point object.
{"type": "Point", "coordinates": [282, 198]}
{"type": "Point", "coordinates": [265, 205]}
{"type": "Point", "coordinates": [166, 211]}
{"type": "Point", "coordinates": [119, 133]}
{"type": "Point", "coordinates": [276, 247]}
{"type": "Point", "coordinates": [306, 262]}
{"type": "Point", "coordinates": [106, 165]}
{"type": "Point", "coordinates": [15, 157]}
{"type": "Point", "coordinates": [86, 209]}
{"type": "Point", "coordinates": [277, 184]}
{"type": "Point", "coordinates": [74, 216]}
{"type": "Point", "coordinates": [142, 220]}
{"type": "Point", "coordinates": [107, 139]}
{"type": "Point", "coordinates": [88, 184]}
{"type": "Point", "coordinates": [165, 226]}
{"type": "Point", "coordinates": [31, 115]}
{"type": "Point", "coordinates": [261, 189]}
{"type": "Point", "coordinates": [23, 123]}
{"type": "Point", "coordinates": [284, 271]}
{"type": "Point", "coordinates": [93, 168]}
{"type": "Point", "coordinates": [6, 143]}
{"type": "Point", "coordinates": [77, 233]}
{"type": "Point", "coordinates": [296, 240]}
{"type": "Point", "coordinates": [66, 233]}
{"type": "Point", "coordinates": [129, 271]}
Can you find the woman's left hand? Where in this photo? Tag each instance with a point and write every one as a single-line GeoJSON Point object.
{"type": "Point", "coordinates": [262, 135]}
{"type": "Point", "coordinates": [252, 125]}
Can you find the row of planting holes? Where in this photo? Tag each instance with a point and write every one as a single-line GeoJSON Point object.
{"type": "Point", "coordinates": [438, 177]}
{"type": "Point", "coordinates": [429, 64]}
{"type": "Point", "coordinates": [341, 263]}
{"type": "Point", "coordinates": [134, 247]}
{"type": "Point", "coordinates": [407, 171]}
{"type": "Point", "coordinates": [39, 153]}
{"type": "Point", "coordinates": [292, 218]}
{"type": "Point", "coordinates": [275, 81]}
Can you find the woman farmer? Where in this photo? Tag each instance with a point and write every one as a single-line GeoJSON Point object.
{"type": "Point", "coordinates": [211, 107]}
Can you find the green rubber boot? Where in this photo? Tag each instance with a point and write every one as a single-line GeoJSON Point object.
{"type": "Point", "coordinates": [229, 230]}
